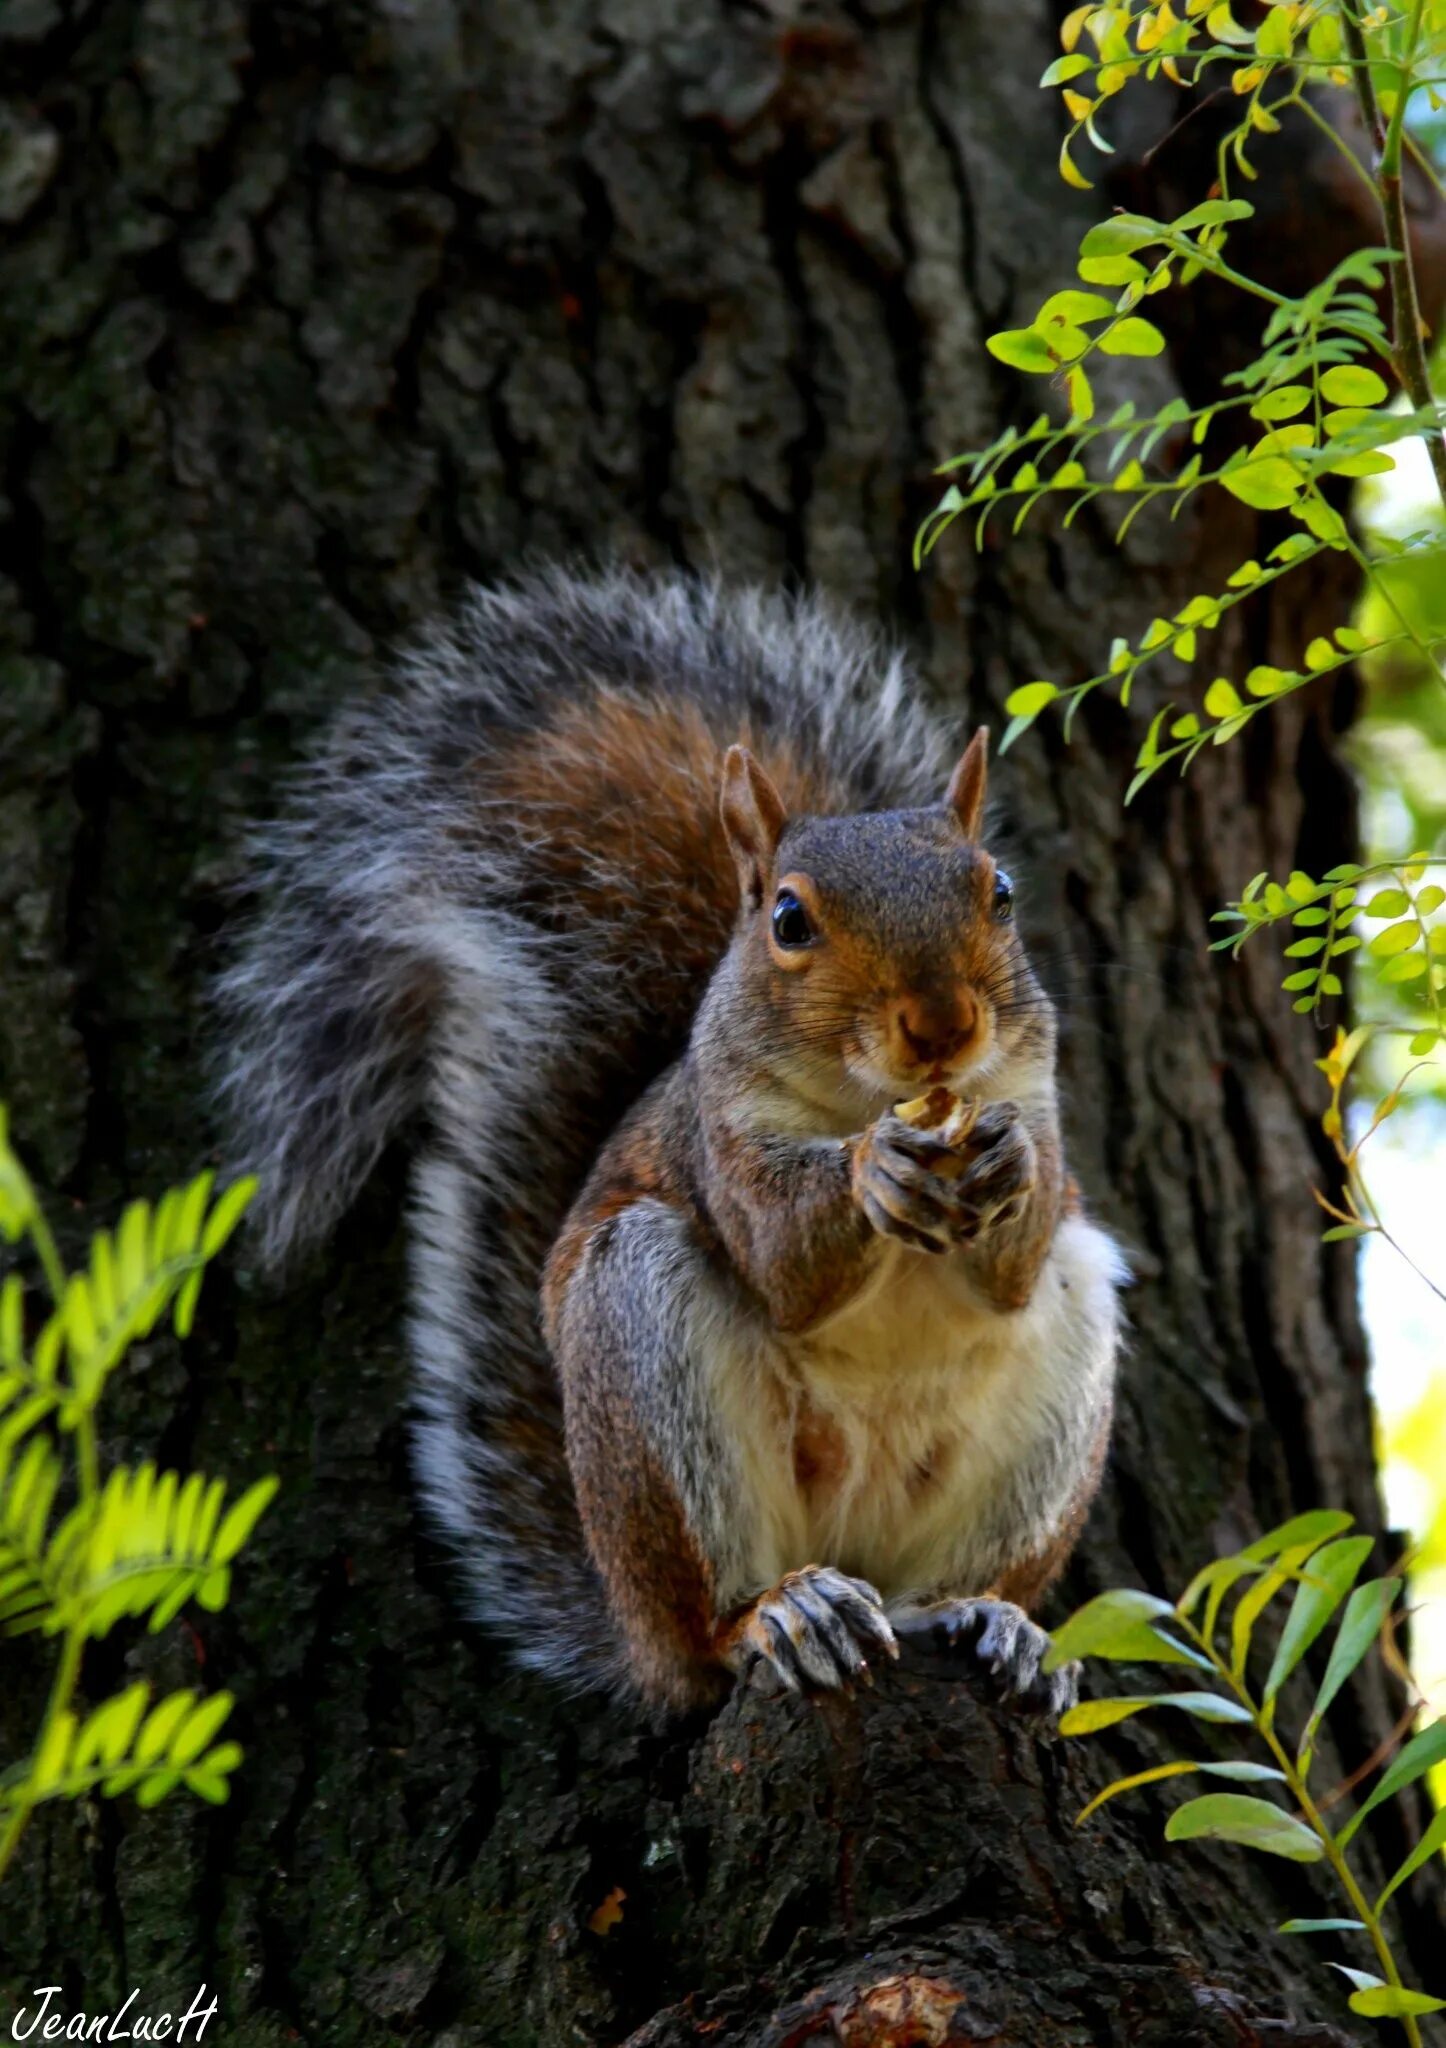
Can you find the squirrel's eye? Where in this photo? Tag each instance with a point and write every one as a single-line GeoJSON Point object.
{"type": "Point", "coordinates": [1003, 898]}
{"type": "Point", "coordinates": [791, 925]}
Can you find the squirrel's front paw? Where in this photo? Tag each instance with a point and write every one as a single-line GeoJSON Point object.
{"type": "Point", "coordinates": [1002, 1641]}
{"type": "Point", "coordinates": [816, 1628]}
{"type": "Point", "coordinates": [1001, 1170]}
{"type": "Point", "coordinates": [901, 1183]}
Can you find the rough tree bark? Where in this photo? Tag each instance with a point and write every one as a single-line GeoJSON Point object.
{"type": "Point", "coordinates": [311, 310]}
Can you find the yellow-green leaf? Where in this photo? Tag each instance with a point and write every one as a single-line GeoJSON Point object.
{"type": "Point", "coordinates": [1352, 384]}
{"type": "Point", "coordinates": [1132, 337]}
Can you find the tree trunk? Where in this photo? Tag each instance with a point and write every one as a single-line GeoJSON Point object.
{"type": "Point", "coordinates": [310, 311]}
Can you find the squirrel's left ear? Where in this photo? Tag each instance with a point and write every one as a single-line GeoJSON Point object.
{"type": "Point", "coordinates": [966, 785]}
{"type": "Point", "coordinates": [753, 817]}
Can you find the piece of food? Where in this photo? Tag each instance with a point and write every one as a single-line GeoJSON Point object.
{"type": "Point", "coordinates": [942, 1113]}
{"type": "Point", "coordinates": [926, 1112]}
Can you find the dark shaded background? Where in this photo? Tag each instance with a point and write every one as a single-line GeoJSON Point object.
{"type": "Point", "coordinates": [309, 312]}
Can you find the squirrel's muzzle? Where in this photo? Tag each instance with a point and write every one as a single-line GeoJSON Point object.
{"type": "Point", "coordinates": [934, 1029]}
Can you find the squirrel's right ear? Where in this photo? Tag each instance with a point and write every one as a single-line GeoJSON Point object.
{"type": "Point", "coordinates": [966, 786]}
{"type": "Point", "coordinates": [753, 817]}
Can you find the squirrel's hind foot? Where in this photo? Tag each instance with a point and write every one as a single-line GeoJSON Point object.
{"type": "Point", "coordinates": [1002, 1641]}
{"type": "Point", "coordinates": [816, 1629]}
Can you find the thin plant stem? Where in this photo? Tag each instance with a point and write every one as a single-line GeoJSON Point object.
{"type": "Point", "coordinates": [1300, 1793]}
{"type": "Point", "coordinates": [1313, 113]}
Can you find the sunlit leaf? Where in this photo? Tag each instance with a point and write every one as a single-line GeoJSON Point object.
{"type": "Point", "coordinates": [1091, 1715]}
{"type": "Point", "coordinates": [1421, 1754]}
{"type": "Point", "coordinates": [1394, 2001]}
{"type": "Point", "coordinates": [1366, 1610]}
{"type": "Point", "coordinates": [1255, 1823]}
{"type": "Point", "coordinates": [1352, 384]}
{"type": "Point", "coordinates": [1119, 1626]}
{"type": "Point", "coordinates": [1241, 1773]}
{"type": "Point", "coordinates": [1332, 1572]}
{"type": "Point", "coordinates": [1430, 1844]}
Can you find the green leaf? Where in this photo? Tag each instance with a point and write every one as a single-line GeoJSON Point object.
{"type": "Point", "coordinates": [1332, 1573]}
{"type": "Point", "coordinates": [1388, 903]}
{"type": "Point", "coordinates": [1245, 1773]}
{"type": "Point", "coordinates": [1072, 308]}
{"type": "Point", "coordinates": [1023, 349]}
{"type": "Point", "coordinates": [1394, 939]}
{"type": "Point", "coordinates": [1030, 699]}
{"type": "Point", "coordinates": [1222, 699]}
{"type": "Point", "coordinates": [1132, 337]}
{"type": "Point", "coordinates": [1118, 1626]}
{"type": "Point", "coordinates": [1320, 1926]}
{"type": "Point", "coordinates": [1122, 235]}
{"type": "Point", "coordinates": [1430, 1843]}
{"type": "Point", "coordinates": [1365, 464]}
{"type": "Point", "coordinates": [1281, 404]}
{"type": "Point", "coordinates": [1091, 1715]}
{"type": "Point", "coordinates": [1213, 213]}
{"type": "Point", "coordinates": [1421, 1754]}
{"type": "Point", "coordinates": [1274, 36]}
{"type": "Point", "coordinates": [1256, 1823]}
{"type": "Point", "coordinates": [1268, 483]}
{"type": "Point", "coordinates": [1265, 681]}
{"type": "Point", "coordinates": [224, 1217]}
{"type": "Point", "coordinates": [1351, 384]}
{"type": "Point", "coordinates": [1214, 1580]}
{"type": "Point", "coordinates": [1314, 1527]}
{"type": "Point", "coordinates": [242, 1518]}
{"type": "Point", "coordinates": [1063, 69]}
{"type": "Point", "coordinates": [1366, 1610]}
{"type": "Point", "coordinates": [1116, 270]}
{"type": "Point", "coordinates": [1393, 2002]}
{"type": "Point", "coordinates": [1289, 1561]}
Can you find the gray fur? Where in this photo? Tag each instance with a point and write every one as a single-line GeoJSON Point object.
{"type": "Point", "coordinates": [385, 982]}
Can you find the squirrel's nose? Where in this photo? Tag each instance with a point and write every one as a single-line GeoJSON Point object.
{"type": "Point", "coordinates": [934, 1034]}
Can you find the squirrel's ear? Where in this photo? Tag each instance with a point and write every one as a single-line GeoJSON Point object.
{"type": "Point", "coordinates": [753, 817]}
{"type": "Point", "coordinates": [966, 785]}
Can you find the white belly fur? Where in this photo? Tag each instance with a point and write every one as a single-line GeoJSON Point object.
{"type": "Point", "coordinates": [959, 1436]}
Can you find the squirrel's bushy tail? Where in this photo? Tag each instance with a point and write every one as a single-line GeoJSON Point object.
{"type": "Point", "coordinates": [490, 911]}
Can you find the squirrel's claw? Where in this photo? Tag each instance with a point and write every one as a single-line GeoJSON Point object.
{"type": "Point", "coordinates": [1002, 1641]}
{"type": "Point", "coordinates": [815, 1630]}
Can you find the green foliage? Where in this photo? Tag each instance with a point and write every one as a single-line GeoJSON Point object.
{"type": "Point", "coordinates": [1315, 1558]}
{"type": "Point", "coordinates": [143, 1542]}
{"type": "Point", "coordinates": [1314, 406]}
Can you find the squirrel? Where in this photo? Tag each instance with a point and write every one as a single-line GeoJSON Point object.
{"type": "Point", "coordinates": [645, 902]}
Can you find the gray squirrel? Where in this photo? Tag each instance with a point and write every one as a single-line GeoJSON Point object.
{"type": "Point", "coordinates": [643, 904]}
